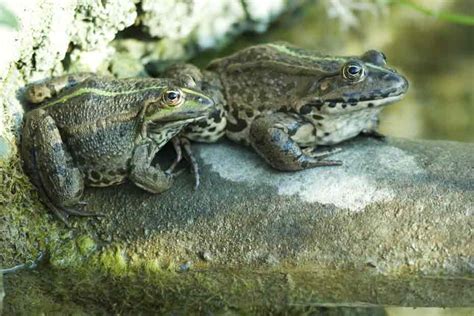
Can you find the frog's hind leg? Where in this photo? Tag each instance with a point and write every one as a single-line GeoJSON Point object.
{"type": "Point", "coordinates": [272, 136]}
{"type": "Point", "coordinates": [59, 182]}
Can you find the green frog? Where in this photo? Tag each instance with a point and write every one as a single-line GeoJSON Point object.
{"type": "Point", "coordinates": [285, 101]}
{"type": "Point", "coordinates": [99, 131]}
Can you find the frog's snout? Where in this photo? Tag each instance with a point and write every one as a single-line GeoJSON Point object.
{"type": "Point", "coordinates": [397, 83]}
{"type": "Point", "coordinates": [401, 84]}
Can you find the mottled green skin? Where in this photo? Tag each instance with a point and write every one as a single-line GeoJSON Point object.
{"type": "Point", "coordinates": [100, 131]}
{"type": "Point", "coordinates": [285, 101]}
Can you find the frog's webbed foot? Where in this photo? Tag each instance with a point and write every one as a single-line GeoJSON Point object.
{"type": "Point", "coordinates": [62, 212]}
{"type": "Point", "coordinates": [270, 137]}
{"type": "Point", "coordinates": [373, 134]}
{"type": "Point", "coordinates": [182, 142]}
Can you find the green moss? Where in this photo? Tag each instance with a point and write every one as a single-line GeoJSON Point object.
{"type": "Point", "coordinates": [243, 290]}
{"type": "Point", "coordinates": [113, 260]}
{"type": "Point", "coordinates": [86, 245]}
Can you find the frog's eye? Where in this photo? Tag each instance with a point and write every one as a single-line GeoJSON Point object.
{"type": "Point", "coordinates": [173, 98]}
{"type": "Point", "coordinates": [353, 71]}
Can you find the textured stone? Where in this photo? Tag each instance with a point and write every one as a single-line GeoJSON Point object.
{"type": "Point", "coordinates": [400, 206]}
{"type": "Point", "coordinates": [392, 226]}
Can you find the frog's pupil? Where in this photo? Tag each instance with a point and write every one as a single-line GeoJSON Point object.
{"type": "Point", "coordinates": [353, 70]}
{"type": "Point", "coordinates": [172, 95]}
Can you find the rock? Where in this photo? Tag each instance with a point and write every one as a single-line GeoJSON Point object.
{"type": "Point", "coordinates": [396, 206]}
{"type": "Point", "coordinates": [2, 293]}
{"type": "Point", "coordinates": [396, 216]}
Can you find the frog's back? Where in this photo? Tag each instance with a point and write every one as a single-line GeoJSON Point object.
{"type": "Point", "coordinates": [99, 99]}
{"type": "Point", "coordinates": [278, 52]}
{"type": "Point", "coordinates": [267, 76]}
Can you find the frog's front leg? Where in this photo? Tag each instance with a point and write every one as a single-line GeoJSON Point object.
{"type": "Point", "coordinates": [182, 142]}
{"type": "Point", "coordinates": [47, 159]}
{"type": "Point", "coordinates": [146, 176]}
{"type": "Point", "coordinates": [273, 137]}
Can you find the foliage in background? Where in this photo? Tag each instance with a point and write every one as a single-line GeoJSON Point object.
{"type": "Point", "coordinates": [7, 17]}
{"type": "Point", "coordinates": [345, 11]}
{"type": "Point", "coordinates": [442, 15]}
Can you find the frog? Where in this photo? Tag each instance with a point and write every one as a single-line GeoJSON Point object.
{"type": "Point", "coordinates": [90, 130]}
{"type": "Point", "coordinates": [291, 104]}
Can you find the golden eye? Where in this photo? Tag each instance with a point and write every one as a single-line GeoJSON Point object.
{"type": "Point", "coordinates": [173, 98]}
{"type": "Point", "coordinates": [353, 71]}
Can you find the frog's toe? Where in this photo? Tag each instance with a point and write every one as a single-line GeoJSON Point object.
{"type": "Point", "coordinates": [318, 153]}
{"type": "Point", "coordinates": [62, 215]}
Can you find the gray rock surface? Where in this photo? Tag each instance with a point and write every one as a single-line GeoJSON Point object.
{"type": "Point", "coordinates": [392, 226]}
{"type": "Point", "coordinates": [396, 206]}
{"type": "Point", "coordinates": [2, 293]}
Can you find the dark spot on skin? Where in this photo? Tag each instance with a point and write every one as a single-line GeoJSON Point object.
{"type": "Point", "coordinates": [292, 131]}
{"type": "Point", "coordinates": [241, 125]}
{"type": "Point", "coordinates": [318, 117]}
{"type": "Point", "coordinates": [353, 103]}
{"type": "Point", "coordinates": [216, 116]}
{"type": "Point", "coordinates": [327, 134]}
{"type": "Point", "coordinates": [344, 105]}
{"type": "Point", "coordinates": [305, 109]}
{"type": "Point", "coordinates": [332, 104]}
{"type": "Point", "coordinates": [319, 124]}
{"type": "Point", "coordinates": [235, 111]}
{"type": "Point", "coordinates": [212, 129]}
{"type": "Point", "coordinates": [370, 105]}
{"type": "Point", "coordinates": [377, 92]}
{"type": "Point", "coordinates": [202, 124]}
{"type": "Point", "coordinates": [316, 103]}
{"type": "Point", "coordinates": [95, 175]}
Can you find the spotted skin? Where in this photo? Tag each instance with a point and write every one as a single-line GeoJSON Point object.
{"type": "Point", "coordinates": [327, 99]}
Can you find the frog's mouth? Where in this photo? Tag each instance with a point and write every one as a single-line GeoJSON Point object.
{"type": "Point", "coordinates": [181, 118]}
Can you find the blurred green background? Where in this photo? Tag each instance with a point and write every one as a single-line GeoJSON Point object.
{"type": "Point", "coordinates": [435, 55]}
